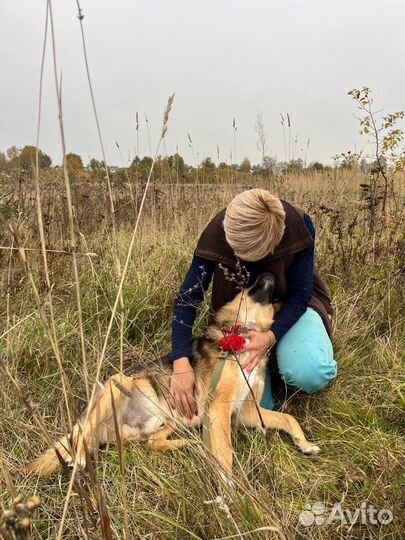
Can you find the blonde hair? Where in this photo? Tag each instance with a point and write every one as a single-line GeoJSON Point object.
{"type": "Point", "coordinates": [254, 224]}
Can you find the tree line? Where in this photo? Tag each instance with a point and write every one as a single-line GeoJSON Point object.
{"type": "Point", "coordinates": [172, 167]}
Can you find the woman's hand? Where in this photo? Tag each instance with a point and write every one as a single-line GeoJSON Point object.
{"type": "Point", "coordinates": [182, 386]}
{"type": "Point", "coordinates": [258, 345]}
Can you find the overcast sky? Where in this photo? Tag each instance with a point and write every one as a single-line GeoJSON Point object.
{"type": "Point", "coordinates": [223, 59]}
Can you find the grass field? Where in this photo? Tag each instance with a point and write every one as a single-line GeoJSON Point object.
{"type": "Point", "coordinates": [358, 421]}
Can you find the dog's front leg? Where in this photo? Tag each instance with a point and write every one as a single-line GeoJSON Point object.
{"type": "Point", "coordinates": [220, 433]}
{"type": "Point", "coordinates": [276, 420]}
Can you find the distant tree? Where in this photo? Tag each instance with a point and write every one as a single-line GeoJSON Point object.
{"type": "Point", "coordinates": [170, 167]}
{"type": "Point", "coordinates": [245, 166]}
{"type": "Point", "coordinates": [97, 168]}
{"type": "Point", "coordinates": [95, 165]}
{"type": "Point", "coordinates": [316, 166]}
{"type": "Point", "coordinates": [347, 160]}
{"type": "Point", "coordinates": [257, 170]}
{"type": "Point", "coordinates": [379, 165]}
{"type": "Point", "coordinates": [136, 161]}
{"type": "Point", "coordinates": [27, 158]}
{"type": "Point", "coordinates": [142, 166]}
{"type": "Point", "coordinates": [281, 167]}
{"type": "Point", "coordinates": [146, 163]}
{"type": "Point", "coordinates": [295, 166]}
{"type": "Point", "coordinates": [178, 164]}
{"type": "Point", "coordinates": [3, 161]}
{"type": "Point", "coordinates": [12, 153]}
{"type": "Point", "coordinates": [365, 166]}
{"type": "Point", "coordinates": [74, 163]}
{"type": "Point", "coordinates": [208, 165]}
{"type": "Point", "coordinates": [45, 161]}
{"type": "Point", "coordinates": [269, 164]}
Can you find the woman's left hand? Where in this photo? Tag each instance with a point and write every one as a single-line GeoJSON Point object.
{"type": "Point", "coordinates": [258, 345]}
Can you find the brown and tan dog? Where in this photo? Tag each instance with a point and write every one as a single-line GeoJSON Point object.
{"type": "Point", "coordinates": [137, 404]}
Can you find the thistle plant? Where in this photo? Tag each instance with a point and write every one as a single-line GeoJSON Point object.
{"type": "Point", "coordinates": [16, 523]}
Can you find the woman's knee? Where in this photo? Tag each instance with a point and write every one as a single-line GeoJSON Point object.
{"type": "Point", "coordinates": [309, 374]}
{"type": "Point", "coordinates": [305, 355]}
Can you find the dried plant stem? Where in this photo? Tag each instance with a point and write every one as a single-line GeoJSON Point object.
{"type": "Point", "coordinates": [284, 138]}
{"type": "Point", "coordinates": [69, 206]}
{"type": "Point", "coordinates": [148, 130]}
{"type": "Point", "coordinates": [52, 326]}
{"type": "Point", "coordinates": [8, 479]}
{"type": "Point", "coordinates": [20, 321]}
{"type": "Point", "coordinates": [121, 315]}
{"type": "Point", "coordinates": [8, 292]}
{"type": "Point", "coordinates": [59, 251]}
{"type": "Point", "coordinates": [110, 194]}
{"type": "Point", "coordinates": [259, 529]}
{"type": "Point", "coordinates": [123, 484]}
{"type": "Point", "coordinates": [114, 310]}
{"type": "Point", "coordinates": [48, 330]}
{"type": "Point", "coordinates": [95, 275]}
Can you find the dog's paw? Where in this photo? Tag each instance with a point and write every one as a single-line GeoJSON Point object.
{"type": "Point", "coordinates": [81, 462]}
{"type": "Point", "coordinates": [311, 450]}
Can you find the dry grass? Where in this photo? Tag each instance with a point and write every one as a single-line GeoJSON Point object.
{"type": "Point", "coordinates": [358, 421]}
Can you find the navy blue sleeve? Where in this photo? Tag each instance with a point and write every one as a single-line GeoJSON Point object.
{"type": "Point", "coordinates": [186, 303]}
{"type": "Point", "coordinates": [299, 287]}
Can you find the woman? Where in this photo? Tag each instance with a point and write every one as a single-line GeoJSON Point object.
{"type": "Point", "coordinates": [258, 232]}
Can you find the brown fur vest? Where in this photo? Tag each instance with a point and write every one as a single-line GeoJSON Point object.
{"type": "Point", "coordinates": [229, 274]}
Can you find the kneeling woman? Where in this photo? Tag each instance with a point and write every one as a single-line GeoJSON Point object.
{"type": "Point", "coordinates": [258, 233]}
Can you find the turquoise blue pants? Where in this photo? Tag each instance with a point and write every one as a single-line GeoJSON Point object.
{"type": "Point", "coordinates": [304, 357]}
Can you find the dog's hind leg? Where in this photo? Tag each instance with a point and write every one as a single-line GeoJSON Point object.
{"type": "Point", "coordinates": [107, 409]}
{"type": "Point", "coordinates": [249, 417]}
{"type": "Point", "coordinates": [160, 440]}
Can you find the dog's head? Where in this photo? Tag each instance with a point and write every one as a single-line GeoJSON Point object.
{"type": "Point", "coordinates": [253, 307]}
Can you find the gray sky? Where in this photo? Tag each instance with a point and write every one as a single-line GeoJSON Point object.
{"type": "Point", "coordinates": [224, 59]}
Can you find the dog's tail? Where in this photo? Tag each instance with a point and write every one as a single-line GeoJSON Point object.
{"type": "Point", "coordinates": [51, 460]}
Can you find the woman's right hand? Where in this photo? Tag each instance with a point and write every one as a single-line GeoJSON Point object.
{"type": "Point", "coordinates": [182, 386]}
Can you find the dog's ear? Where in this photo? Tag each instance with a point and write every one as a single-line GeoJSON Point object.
{"type": "Point", "coordinates": [277, 307]}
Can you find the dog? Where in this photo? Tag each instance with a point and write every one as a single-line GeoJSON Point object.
{"type": "Point", "coordinates": [136, 407]}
